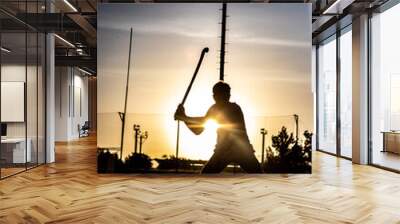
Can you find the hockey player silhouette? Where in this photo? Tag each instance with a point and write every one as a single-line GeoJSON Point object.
{"type": "Point", "coordinates": [233, 145]}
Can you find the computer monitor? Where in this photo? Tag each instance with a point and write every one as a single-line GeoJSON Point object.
{"type": "Point", "coordinates": [3, 130]}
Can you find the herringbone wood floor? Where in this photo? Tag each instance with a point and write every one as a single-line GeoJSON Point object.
{"type": "Point", "coordinates": [70, 191]}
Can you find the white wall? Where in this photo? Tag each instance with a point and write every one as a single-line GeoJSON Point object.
{"type": "Point", "coordinates": [12, 73]}
{"type": "Point", "coordinates": [81, 103]}
{"type": "Point", "coordinates": [71, 102]}
{"type": "Point", "coordinates": [62, 82]}
{"type": "Point", "coordinates": [33, 127]}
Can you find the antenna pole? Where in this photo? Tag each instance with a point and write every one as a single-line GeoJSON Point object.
{"type": "Point", "coordinates": [126, 93]}
{"type": "Point", "coordinates": [223, 38]}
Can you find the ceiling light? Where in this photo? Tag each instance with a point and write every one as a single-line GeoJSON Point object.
{"type": "Point", "coordinates": [79, 51]}
{"type": "Point", "coordinates": [65, 41]}
{"type": "Point", "coordinates": [326, 11]}
{"type": "Point", "coordinates": [337, 7]}
{"type": "Point", "coordinates": [84, 71]}
{"type": "Point", "coordinates": [70, 5]}
{"type": "Point", "coordinates": [5, 50]}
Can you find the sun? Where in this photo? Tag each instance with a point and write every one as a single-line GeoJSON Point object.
{"type": "Point", "coordinates": [194, 146]}
{"type": "Point", "coordinates": [190, 145]}
{"type": "Point", "coordinates": [211, 125]}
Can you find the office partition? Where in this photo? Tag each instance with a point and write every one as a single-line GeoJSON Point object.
{"type": "Point", "coordinates": [22, 88]}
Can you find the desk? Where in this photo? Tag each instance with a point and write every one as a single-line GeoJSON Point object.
{"type": "Point", "coordinates": [13, 150]}
{"type": "Point", "coordinates": [391, 141]}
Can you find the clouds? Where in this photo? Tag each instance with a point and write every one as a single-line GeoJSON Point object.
{"type": "Point", "coordinates": [257, 40]}
{"type": "Point", "coordinates": [191, 20]}
{"type": "Point", "coordinates": [269, 44]}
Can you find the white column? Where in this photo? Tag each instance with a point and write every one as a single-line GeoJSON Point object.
{"type": "Point", "coordinates": [314, 91]}
{"type": "Point", "coordinates": [50, 92]}
{"type": "Point", "coordinates": [360, 90]}
{"type": "Point", "coordinates": [50, 99]}
{"type": "Point", "coordinates": [62, 103]}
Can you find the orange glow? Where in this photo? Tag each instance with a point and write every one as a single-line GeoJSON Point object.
{"type": "Point", "coordinates": [195, 146]}
{"type": "Point", "coordinates": [211, 125]}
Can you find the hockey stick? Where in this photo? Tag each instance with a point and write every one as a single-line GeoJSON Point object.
{"type": "Point", "coordinates": [203, 52]}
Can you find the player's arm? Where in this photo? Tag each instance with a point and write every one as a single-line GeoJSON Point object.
{"type": "Point", "coordinates": [195, 124]}
{"type": "Point", "coordinates": [240, 123]}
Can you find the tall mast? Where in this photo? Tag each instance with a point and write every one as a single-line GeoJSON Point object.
{"type": "Point", "coordinates": [223, 37]}
{"type": "Point", "coordinates": [126, 93]}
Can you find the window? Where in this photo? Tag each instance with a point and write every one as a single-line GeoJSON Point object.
{"type": "Point", "coordinates": [385, 89]}
{"type": "Point", "coordinates": [346, 92]}
{"type": "Point", "coordinates": [327, 95]}
{"type": "Point", "coordinates": [394, 102]}
{"type": "Point", "coordinates": [334, 106]}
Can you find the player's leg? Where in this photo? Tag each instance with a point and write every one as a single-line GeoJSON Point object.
{"type": "Point", "coordinates": [216, 164]}
{"type": "Point", "coordinates": [249, 163]}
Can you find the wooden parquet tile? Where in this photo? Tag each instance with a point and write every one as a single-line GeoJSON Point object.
{"type": "Point", "coordinates": [70, 191]}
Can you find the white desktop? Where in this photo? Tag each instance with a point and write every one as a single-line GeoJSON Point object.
{"type": "Point", "coordinates": [15, 147]}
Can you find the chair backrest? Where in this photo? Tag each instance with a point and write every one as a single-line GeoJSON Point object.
{"type": "Point", "coordinates": [86, 125]}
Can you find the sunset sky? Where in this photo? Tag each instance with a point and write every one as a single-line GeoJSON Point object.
{"type": "Point", "coordinates": [268, 67]}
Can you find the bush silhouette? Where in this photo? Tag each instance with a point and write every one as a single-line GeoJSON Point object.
{"type": "Point", "coordinates": [170, 162]}
{"type": "Point", "coordinates": [286, 154]}
{"type": "Point", "coordinates": [108, 162]}
{"type": "Point", "coordinates": [137, 161]}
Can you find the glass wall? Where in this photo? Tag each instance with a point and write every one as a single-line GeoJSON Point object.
{"type": "Point", "coordinates": [385, 89]}
{"type": "Point", "coordinates": [346, 92]}
{"type": "Point", "coordinates": [327, 95]}
{"type": "Point", "coordinates": [334, 103]}
{"type": "Point", "coordinates": [22, 93]}
{"type": "Point", "coordinates": [14, 151]}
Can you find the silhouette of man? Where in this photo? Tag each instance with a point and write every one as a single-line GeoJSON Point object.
{"type": "Point", "coordinates": [233, 144]}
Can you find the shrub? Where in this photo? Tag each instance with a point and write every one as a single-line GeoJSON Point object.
{"type": "Point", "coordinates": [170, 162]}
{"type": "Point", "coordinates": [137, 161]}
{"type": "Point", "coordinates": [108, 162]}
{"type": "Point", "coordinates": [288, 156]}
